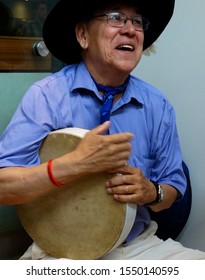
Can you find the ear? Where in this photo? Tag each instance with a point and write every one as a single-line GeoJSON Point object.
{"type": "Point", "coordinates": [82, 35]}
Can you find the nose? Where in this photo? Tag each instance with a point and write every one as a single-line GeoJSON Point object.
{"type": "Point", "coordinates": [128, 27]}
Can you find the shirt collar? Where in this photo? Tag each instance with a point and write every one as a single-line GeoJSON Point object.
{"type": "Point", "coordinates": [133, 91]}
{"type": "Point", "coordinates": [83, 80]}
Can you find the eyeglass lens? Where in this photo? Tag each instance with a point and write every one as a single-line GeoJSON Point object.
{"type": "Point", "coordinates": [117, 19]}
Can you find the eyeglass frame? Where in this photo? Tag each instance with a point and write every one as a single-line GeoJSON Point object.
{"type": "Point", "coordinates": [145, 21]}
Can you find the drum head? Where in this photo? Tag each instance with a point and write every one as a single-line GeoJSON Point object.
{"type": "Point", "coordinates": [77, 221]}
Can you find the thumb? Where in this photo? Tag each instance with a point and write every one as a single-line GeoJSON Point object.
{"type": "Point", "coordinates": [101, 129]}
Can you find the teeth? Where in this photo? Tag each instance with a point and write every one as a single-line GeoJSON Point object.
{"type": "Point", "coordinates": [126, 47]}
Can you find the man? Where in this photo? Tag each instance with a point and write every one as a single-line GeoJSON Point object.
{"type": "Point", "coordinates": [101, 43]}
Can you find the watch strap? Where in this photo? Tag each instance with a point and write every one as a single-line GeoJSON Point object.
{"type": "Point", "coordinates": [159, 196]}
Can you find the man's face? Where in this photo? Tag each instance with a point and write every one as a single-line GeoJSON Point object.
{"type": "Point", "coordinates": [112, 48]}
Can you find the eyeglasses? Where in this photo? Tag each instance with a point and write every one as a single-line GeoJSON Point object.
{"type": "Point", "coordinates": [119, 20]}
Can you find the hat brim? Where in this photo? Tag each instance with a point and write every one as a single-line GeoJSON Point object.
{"type": "Point", "coordinates": [59, 26]}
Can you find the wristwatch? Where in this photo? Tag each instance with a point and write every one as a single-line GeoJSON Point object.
{"type": "Point", "coordinates": [159, 191]}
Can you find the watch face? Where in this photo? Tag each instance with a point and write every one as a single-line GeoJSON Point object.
{"type": "Point", "coordinates": [160, 193]}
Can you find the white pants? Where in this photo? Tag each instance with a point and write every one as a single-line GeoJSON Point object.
{"type": "Point", "coordinates": [147, 246]}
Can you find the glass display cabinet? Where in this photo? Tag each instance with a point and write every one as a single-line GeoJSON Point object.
{"type": "Point", "coordinates": [21, 43]}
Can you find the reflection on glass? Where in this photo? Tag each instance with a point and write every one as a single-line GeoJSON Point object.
{"type": "Point", "coordinates": [23, 18]}
{"type": "Point", "coordinates": [33, 27]}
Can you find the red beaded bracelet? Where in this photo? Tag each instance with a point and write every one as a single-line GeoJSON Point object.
{"type": "Point", "coordinates": [51, 176]}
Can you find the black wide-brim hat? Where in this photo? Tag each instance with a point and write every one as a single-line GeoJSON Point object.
{"type": "Point", "coordinates": [59, 26]}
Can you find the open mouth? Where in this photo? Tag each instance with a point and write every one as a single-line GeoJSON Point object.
{"type": "Point", "coordinates": [125, 48]}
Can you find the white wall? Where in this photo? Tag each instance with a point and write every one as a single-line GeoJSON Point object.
{"type": "Point", "coordinates": [178, 69]}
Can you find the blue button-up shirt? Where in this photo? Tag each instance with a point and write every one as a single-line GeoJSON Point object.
{"type": "Point", "coordinates": [69, 98]}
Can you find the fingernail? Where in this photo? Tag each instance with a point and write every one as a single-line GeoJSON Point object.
{"type": "Point", "coordinates": [109, 190]}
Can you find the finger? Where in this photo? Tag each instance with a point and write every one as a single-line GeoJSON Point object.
{"type": "Point", "coordinates": [113, 138]}
{"type": "Point", "coordinates": [119, 151]}
{"type": "Point", "coordinates": [130, 198]}
{"type": "Point", "coordinates": [119, 137]}
{"type": "Point", "coordinates": [119, 180]}
{"type": "Point", "coordinates": [123, 189]}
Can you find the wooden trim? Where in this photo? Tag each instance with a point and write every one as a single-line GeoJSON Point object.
{"type": "Point", "coordinates": [16, 55]}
